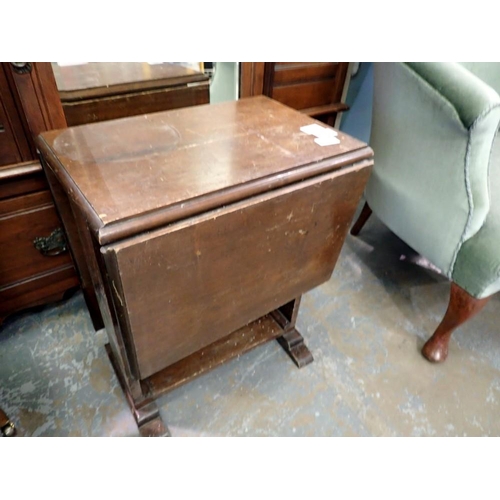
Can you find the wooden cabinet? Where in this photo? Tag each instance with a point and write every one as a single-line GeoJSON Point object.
{"type": "Point", "coordinates": [32, 272]}
{"type": "Point", "coordinates": [93, 92]}
{"type": "Point", "coordinates": [314, 88]}
{"type": "Point", "coordinates": [201, 229]}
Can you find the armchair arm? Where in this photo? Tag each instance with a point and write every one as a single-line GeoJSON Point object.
{"type": "Point", "coordinates": [432, 133]}
{"type": "Point", "coordinates": [488, 72]}
{"type": "Point", "coordinates": [469, 95]}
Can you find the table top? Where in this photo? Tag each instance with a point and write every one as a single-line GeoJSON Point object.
{"type": "Point", "coordinates": [166, 166]}
{"type": "Point", "coordinates": [82, 81]}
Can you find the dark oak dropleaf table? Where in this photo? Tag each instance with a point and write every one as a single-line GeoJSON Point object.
{"type": "Point", "coordinates": [196, 231]}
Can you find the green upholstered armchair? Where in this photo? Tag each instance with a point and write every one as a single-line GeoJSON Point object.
{"type": "Point", "coordinates": [436, 179]}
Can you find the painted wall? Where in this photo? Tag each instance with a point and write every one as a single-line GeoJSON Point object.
{"type": "Point", "coordinates": [357, 121]}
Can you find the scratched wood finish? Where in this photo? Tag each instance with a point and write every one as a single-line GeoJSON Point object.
{"type": "Point", "coordinates": [95, 92]}
{"type": "Point", "coordinates": [212, 280]}
{"type": "Point", "coordinates": [195, 223]}
{"type": "Point", "coordinates": [182, 162]}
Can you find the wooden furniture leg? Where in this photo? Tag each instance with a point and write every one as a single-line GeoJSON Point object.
{"type": "Point", "coordinates": [461, 307]}
{"type": "Point", "coordinates": [363, 217]}
{"type": "Point", "coordinates": [147, 415]}
{"type": "Point", "coordinates": [291, 340]}
{"type": "Point", "coordinates": [7, 428]}
{"type": "Point", "coordinates": [293, 344]}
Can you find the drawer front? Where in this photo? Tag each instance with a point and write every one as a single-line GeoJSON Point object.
{"type": "Point", "coordinates": [292, 73]}
{"type": "Point", "coordinates": [305, 95]}
{"type": "Point", "coordinates": [183, 287]}
{"type": "Point", "coordinates": [22, 219]}
{"type": "Point", "coordinates": [307, 85]}
{"type": "Point", "coordinates": [21, 179]}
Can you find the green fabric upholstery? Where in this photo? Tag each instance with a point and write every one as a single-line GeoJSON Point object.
{"type": "Point", "coordinates": [433, 184]}
{"type": "Point", "coordinates": [478, 262]}
{"type": "Point", "coordinates": [489, 73]}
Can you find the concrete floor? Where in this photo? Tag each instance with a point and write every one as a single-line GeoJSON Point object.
{"type": "Point", "coordinates": [365, 328]}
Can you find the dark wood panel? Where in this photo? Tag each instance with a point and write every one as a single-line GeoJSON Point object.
{"type": "Point", "coordinates": [251, 78]}
{"type": "Point", "coordinates": [14, 147]}
{"type": "Point", "coordinates": [81, 258]}
{"type": "Point", "coordinates": [287, 74]}
{"type": "Point", "coordinates": [37, 290]}
{"type": "Point", "coordinates": [23, 178]}
{"type": "Point", "coordinates": [319, 111]}
{"type": "Point", "coordinates": [31, 103]}
{"type": "Point", "coordinates": [212, 281]}
{"type": "Point", "coordinates": [304, 95]}
{"type": "Point", "coordinates": [204, 360]}
{"type": "Point", "coordinates": [297, 64]}
{"type": "Point", "coordinates": [23, 219]}
{"type": "Point", "coordinates": [108, 108]}
{"type": "Point", "coordinates": [300, 85]}
{"type": "Point", "coordinates": [9, 152]}
{"type": "Point", "coordinates": [37, 99]}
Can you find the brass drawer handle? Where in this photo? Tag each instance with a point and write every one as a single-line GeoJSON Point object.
{"type": "Point", "coordinates": [52, 245]}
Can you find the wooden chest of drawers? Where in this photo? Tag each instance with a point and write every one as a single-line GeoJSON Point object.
{"type": "Point", "coordinates": [35, 268]}
{"type": "Point", "coordinates": [201, 228]}
{"type": "Point", "coordinates": [93, 92]}
{"type": "Point", "coordinates": [31, 273]}
{"type": "Point", "coordinates": [314, 88]}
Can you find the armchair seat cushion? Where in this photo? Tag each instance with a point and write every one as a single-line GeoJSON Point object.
{"type": "Point", "coordinates": [477, 268]}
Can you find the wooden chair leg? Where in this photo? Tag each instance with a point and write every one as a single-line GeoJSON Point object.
{"type": "Point", "coordinates": [461, 307]}
{"type": "Point", "coordinates": [363, 217]}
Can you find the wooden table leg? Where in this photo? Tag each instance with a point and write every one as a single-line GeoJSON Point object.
{"type": "Point", "coordinates": [291, 340]}
{"type": "Point", "coordinates": [279, 325]}
{"type": "Point", "coordinates": [146, 414]}
{"type": "Point", "coordinates": [149, 421]}
{"type": "Point", "coordinates": [293, 344]}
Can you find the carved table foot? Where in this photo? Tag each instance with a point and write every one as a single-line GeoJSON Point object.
{"type": "Point", "coordinates": [150, 422]}
{"type": "Point", "coordinates": [293, 343]}
{"type": "Point", "coordinates": [146, 414]}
